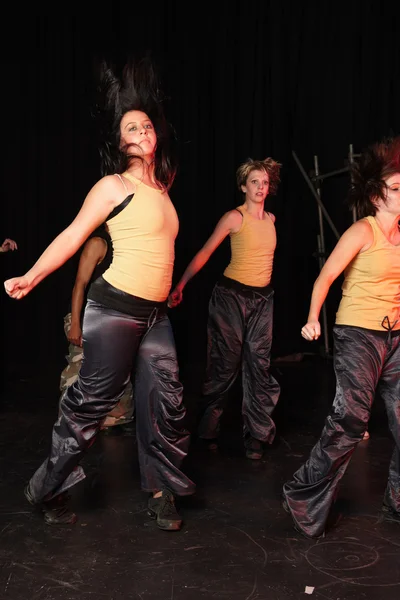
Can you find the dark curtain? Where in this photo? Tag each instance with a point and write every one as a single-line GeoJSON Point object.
{"type": "Point", "coordinates": [242, 79]}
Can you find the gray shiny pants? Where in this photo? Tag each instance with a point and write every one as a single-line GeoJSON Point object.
{"type": "Point", "coordinates": [240, 338]}
{"type": "Point", "coordinates": [365, 362]}
{"type": "Point", "coordinates": [123, 411]}
{"type": "Point", "coordinates": [114, 343]}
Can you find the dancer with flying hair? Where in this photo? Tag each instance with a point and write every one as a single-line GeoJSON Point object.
{"type": "Point", "coordinates": [366, 339]}
{"type": "Point", "coordinates": [240, 311]}
{"type": "Point", "coordinates": [125, 325]}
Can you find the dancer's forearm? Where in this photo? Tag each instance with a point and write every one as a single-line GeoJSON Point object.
{"type": "Point", "coordinates": [195, 265]}
{"type": "Point", "coordinates": [318, 297]}
{"type": "Point", "coordinates": [55, 255]}
{"type": "Point", "coordinates": [78, 296]}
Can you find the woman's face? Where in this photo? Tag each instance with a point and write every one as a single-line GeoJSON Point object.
{"type": "Point", "coordinates": [257, 186]}
{"type": "Point", "coordinates": [392, 203]}
{"type": "Point", "coordinates": [137, 129]}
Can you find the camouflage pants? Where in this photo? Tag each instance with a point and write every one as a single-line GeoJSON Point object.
{"type": "Point", "coordinates": [123, 412]}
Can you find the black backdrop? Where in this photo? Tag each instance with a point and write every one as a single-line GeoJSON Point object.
{"type": "Point", "coordinates": [256, 79]}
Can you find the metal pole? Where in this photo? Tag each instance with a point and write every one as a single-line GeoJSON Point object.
{"type": "Point", "coordinates": [321, 254]}
{"type": "Point", "coordinates": [316, 196]}
{"type": "Point", "coordinates": [320, 177]}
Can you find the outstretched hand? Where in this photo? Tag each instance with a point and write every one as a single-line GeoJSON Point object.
{"type": "Point", "coordinates": [8, 245]}
{"type": "Point", "coordinates": [175, 298]}
{"type": "Point", "coordinates": [17, 287]}
{"type": "Point", "coordinates": [311, 330]}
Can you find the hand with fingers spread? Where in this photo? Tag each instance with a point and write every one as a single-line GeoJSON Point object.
{"type": "Point", "coordinates": [8, 245]}
{"type": "Point", "coordinates": [311, 330]}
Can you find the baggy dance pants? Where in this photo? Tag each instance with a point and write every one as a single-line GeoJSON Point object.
{"type": "Point", "coordinates": [114, 343]}
{"type": "Point", "coordinates": [365, 362]}
{"type": "Point", "coordinates": [240, 337]}
{"type": "Point", "coordinates": [123, 411]}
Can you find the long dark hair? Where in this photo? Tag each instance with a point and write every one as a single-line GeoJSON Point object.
{"type": "Point", "coordinates": [369, 173]}
{"type": "Point", "coordinates": [134, 87]}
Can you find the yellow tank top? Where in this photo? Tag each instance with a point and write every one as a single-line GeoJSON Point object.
{"type": "Point", "coordinates": [252, 250]}
{"type": "Point", "coordinates": [143, 237]}
{"type": "Point", "coordinates": [371, 287]}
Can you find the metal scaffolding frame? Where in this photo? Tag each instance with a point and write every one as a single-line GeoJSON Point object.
{"type": "Point", "coordinates": [314, 183]}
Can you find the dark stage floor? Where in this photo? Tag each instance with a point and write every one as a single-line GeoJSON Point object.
{"type": "Point", "coordinates": [237, 542]}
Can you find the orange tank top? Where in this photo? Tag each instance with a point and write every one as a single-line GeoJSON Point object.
{"type": "Point", "coordinates": [371, 287]}
{"type": "Point", "coordinates": [252, 250]}
{"type": "Point", "coordinates": [143, 237]}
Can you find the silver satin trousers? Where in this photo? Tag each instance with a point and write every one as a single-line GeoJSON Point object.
{"type": "Point", "coordinates": [365, 362]}
{"type": "Point", "coordinates": [114, 344]}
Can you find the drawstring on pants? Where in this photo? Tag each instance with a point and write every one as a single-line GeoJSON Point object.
{"type": "Point", "coordinates": [152, 318]}
{"type": "Point", "coordinates": [389, 328]}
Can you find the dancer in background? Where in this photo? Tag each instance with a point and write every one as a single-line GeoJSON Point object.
{"type": "Point", "coordinates": [95, 258]}
{"type": "Point", "coordinates": [241, 311]}
{"type": "Point", "coordinates": [125, 325]}
{"type": "Point", "coordinates": [366, 339]}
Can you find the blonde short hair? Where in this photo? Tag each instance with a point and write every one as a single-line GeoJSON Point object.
{"type": "Point", "coordinates": [270, 166]}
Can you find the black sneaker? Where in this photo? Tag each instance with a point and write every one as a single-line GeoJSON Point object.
{"type": "Point", "coordinates": [254, 450]}
{"type": "Point", "coordinates": [164, 511]}
{"type": "Point", "coordinates": [55, 511]}
{"type": "Point", "coordinates": [389, 514]}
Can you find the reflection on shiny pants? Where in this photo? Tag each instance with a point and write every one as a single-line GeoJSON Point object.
{"type": "Point", "coordinates": [123, 411]}
{"type": "Point", "coordinates": [113, 344]}
{"type": "Point", "coordinates": [365, 362]}
{"type": "Point", "coordinates": [240, 336]}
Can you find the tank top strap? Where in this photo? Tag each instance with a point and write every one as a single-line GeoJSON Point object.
{"type": "Point", "coordinates": [376, 231]}
{"type": "Point", "coordinates": [372, 222]}
{"type": "Point", "coordinates": [122, 181]}
{"type": "Point", "coordinates": [241, 210]}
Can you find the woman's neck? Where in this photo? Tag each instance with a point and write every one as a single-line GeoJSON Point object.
{"type": "Point", "coordinates": [255, 210]}
{"type": "Point", "coordinates": [389, 223]}
{"type": "Point", "coordinates": [143, 169]}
